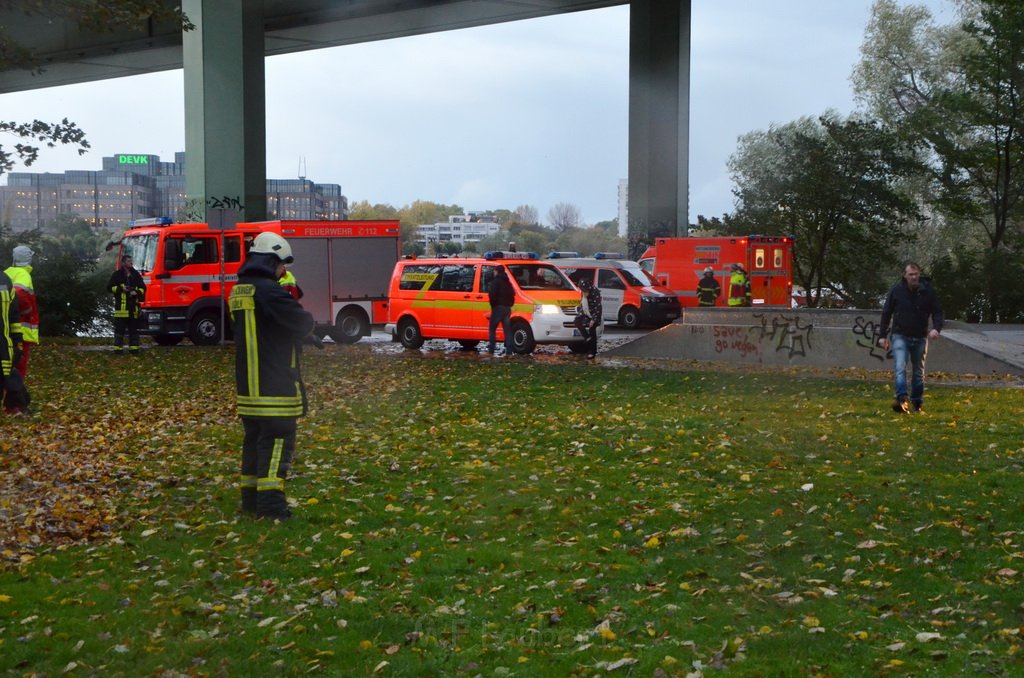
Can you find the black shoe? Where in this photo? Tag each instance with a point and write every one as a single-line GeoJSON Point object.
{"type": "Point", "coordinates": [918, 408]}
{"type": "Point", "coordinates": [900, 406]}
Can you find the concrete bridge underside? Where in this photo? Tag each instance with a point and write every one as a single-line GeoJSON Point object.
{"type": "Point", "coordinates": [225, 94]}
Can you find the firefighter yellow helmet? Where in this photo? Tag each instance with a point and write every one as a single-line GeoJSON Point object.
{"type": "Point", "coordinates": [272, 243]}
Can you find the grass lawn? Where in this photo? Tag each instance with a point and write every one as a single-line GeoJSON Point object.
{"type": "Point", "coordinates": [516, 517]}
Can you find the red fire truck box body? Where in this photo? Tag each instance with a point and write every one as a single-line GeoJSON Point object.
{"type": "Point", "coordinates": [679, 263]}
{"type": "Point", "coordinates": [343, 268]}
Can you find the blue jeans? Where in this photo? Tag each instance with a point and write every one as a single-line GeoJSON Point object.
{"type": "Point", "coordinates": [915, 348]}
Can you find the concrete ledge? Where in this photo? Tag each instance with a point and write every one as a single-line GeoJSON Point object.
{"type": "Point", "coordinates": [814, 338]}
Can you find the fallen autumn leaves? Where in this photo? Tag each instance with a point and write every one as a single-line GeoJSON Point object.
{"type": "Point", "coordinates": [522, 517]}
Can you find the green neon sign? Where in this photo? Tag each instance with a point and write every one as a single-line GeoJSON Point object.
{"type": "Point", "coordinates": [133, 159]}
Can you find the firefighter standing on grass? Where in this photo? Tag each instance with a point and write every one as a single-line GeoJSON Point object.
{"type": "Point", "coordinates": [269, 326]}
{"type": "Point", "coordinates": [10, 334]}
{"type": "Point", "coordinates": [20, 274]}
{"type": "Point", "coordinates": [129, 292]}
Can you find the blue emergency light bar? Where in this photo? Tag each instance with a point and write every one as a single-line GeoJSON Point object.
{"type": "Point", "coordinates": [609, 255]}
{"type": "Point", "coordinates": [499, 254]}
{"type": "Point", "coordinates": [563, 255]}
{"type": "Point", "coordinates": [153, 221]}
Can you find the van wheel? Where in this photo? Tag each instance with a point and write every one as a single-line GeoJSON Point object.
{"type": "Point", "coordinates": [167, 339]}
{"type": "Point", "coordinates": [629, 317]}
{"type": "Point", "coordinates": [409, 334]}
{"type": "Point", "coordinates": [350, 326]}
{"type": "Point", "coordinates": [522, 338]}
{"type": "Point", "coordinates": [204, 330]}
{"type": "Point", "coordinates": [468, 344]}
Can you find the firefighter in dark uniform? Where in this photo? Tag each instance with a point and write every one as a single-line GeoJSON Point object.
{"type": "Point", "coordinates": [129, 291]}
{"type": "Point", "coordinates": [269, 326]}
{"type": "Point", "coordinates": [592, 311]}
{"type": "Point", "coordinates": [10, 336]}
{"type": "Point", "coordinates": [708, 289]}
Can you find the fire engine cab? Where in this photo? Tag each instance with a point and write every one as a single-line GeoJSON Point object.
{"type": "Point", "coordinates": [343, 268]}
{"type": "Point", "coordinates": [679, 263]}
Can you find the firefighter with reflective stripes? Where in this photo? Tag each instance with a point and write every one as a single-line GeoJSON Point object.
{"type": "Point", "coordinates": [10, 335]}
{"type": "Point", "coordinates": [129, 291]}
{"type": "Point", "coordinates": [739, 286]}
{"type": "Point", "coordinates": [269, 327]}
{"type": "Point", "coordinates": [20, 274]}
{"type": "Point", "coordinates": [708, 289]}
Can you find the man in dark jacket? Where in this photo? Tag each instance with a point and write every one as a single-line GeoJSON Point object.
{"type": "Point", "coordinates": [129, 292]}
{"type": "Point", "coordinates": [908, 307]}
{"type": "Point", "coordinates": [269, 326]}
{"type": "Point", "coordinates": [502, 297]}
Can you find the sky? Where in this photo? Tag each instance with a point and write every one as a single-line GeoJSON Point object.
{"type": "Point", "coordinates": [524, 113]}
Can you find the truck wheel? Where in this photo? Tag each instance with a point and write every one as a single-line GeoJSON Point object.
{"type": "Point", "coordinates": [350, 326]}
{"type": "Point", "coordinates": [409, 334]}
{"type": "Point", "coordinates": [167, 339]}
{"type": "Point", "coordinates": [629, 317]}
{"type": "Point", "coordinates": [204, 330]}
{"type": "Point", "coordinates": [522, 338]}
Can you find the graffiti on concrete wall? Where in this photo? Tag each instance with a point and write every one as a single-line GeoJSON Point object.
{"type": "Point", "coordinates": [732, 339]}
{"type": "Point", "coordinates": [787, 333]}
{"type": "Point", "coordinates": [867, 331]}
{"type": "Point", "coordinates": [195, 209]}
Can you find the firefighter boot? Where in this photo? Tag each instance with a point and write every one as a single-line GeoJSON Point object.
{"type": "Point", "coordinates": [272, 504]}
{"type": "Point", "coordinates": [248, 500]}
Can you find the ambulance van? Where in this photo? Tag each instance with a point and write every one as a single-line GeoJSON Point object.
{"type": "Point", "coordinates": [628, 296]}
{"type": "Point", "coordinates": [447, 299]}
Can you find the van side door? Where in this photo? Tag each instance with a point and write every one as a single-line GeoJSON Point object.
{"type": "Point", "coordinates": [458, 311]}
{"type": "Point", "coordinates": [613, 291]}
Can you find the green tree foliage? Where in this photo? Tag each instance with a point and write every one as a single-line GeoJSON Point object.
{"type": "Point", "coordinates": [68, 275]}
{"type": "Point", "coordinates": [957, 91]}
{"type": "Point", "coordinates": [98, 16]}
{"type": "Point", "coordinates": [834, 185]}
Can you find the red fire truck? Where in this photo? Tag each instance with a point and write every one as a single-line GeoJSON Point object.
{"type": "Point", "coordinates": [679, 263]}
{"type": "Point", "coordinates": [343, 268]}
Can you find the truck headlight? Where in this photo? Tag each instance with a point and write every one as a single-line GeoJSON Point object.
{"type": "Point", "coordinates": [546, 309]}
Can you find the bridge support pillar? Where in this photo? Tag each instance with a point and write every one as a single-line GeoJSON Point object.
{"type": "Point", "coordinates": [659, 116]}
{"type": "Point", "coordinates": [225, 112]}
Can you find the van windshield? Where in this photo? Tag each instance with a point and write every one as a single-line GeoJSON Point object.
{"type": "Point", "coordinates": [142, 250]}
{"type": "Point", "coordinates": [539, 277]}
{"type": "Point", "coordinates": [636, 276]}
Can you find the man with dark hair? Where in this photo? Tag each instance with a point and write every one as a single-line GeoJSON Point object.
{"type": "Point", "coordinates": [129, 292]}
{"type": "Point", "coordinates": [269, 326]}
{"type": "Point", "coordinates": [908, 307]}
{"type": "Point", "coordinates": [501, 296]}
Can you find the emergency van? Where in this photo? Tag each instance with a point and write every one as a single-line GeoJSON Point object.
{"type": "Point", "coordinates": [628, 296]}
{"type": "Point", "coordinates": [679, 263]}
{"type": "Point", "coordinates": [342, 267]}
{"type": "Point", "coordinates": [447, 299]}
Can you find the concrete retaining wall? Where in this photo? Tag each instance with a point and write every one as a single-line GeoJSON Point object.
{"type": "Point", "coordinates": [814, 338]}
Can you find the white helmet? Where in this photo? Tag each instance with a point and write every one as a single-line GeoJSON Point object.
{"type": "Point", "coordinates": [272, 243]}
